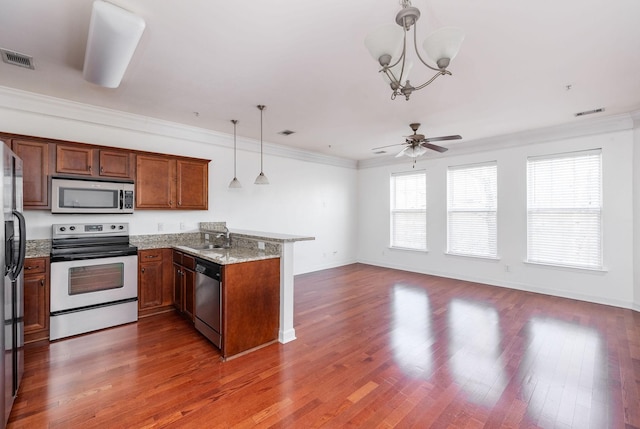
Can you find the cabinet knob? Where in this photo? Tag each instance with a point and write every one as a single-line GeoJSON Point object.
{"type": "Point", "coordinates": [142, 270]}
{"type": "Point", "coordinates": [151, 256]}
{"type": "Point", "coordinates": [89, 168]}
{"type": "Point", "coordinates": [101, 169]}
{"type": "Point", "coordinates": [31, 267]}
{"type": "Point", "coordinates": [41, 282]}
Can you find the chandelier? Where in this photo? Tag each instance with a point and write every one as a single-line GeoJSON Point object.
{"type": "Point", "coordinates": [388, 46]}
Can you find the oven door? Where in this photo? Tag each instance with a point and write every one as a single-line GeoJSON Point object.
{"type": "Point", "coordinates": [90, 282]}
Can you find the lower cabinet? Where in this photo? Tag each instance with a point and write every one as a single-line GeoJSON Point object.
{"type": "Point", "coordinates": [250, 305]}
{"type": "Point", "coordinates": [36, 299]}
{"type": "Point", "coordinates": [184, 283]}
{"type": "Point", "coordinates": [155, 294]}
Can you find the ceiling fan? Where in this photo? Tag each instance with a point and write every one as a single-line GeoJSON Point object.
{"type": "Point", "coordinates": [417, 144]}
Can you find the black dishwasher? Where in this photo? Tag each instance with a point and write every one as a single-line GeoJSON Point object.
{"type": "Point", "coordinates": [208, 297]}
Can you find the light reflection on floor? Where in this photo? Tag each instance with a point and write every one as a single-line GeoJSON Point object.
{"type": "Point", "coordinates": [474, 350]}
{"type": "Point", "coordinates": [564, 374]}
{"type": "Point", "coordinates": [558, 369]}
{"type": "Point", "coordinates": [411, 334]}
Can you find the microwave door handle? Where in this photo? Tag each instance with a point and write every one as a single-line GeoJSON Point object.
{"type": "Point", "coordinates": [121, 199]}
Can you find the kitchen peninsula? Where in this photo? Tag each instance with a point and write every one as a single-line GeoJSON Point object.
{"type": "Point", "coordinates": [245, 247]}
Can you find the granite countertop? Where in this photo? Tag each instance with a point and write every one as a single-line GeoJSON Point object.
{"type": "Point", "coordinates": [234, 255]}
{"type": "Point", "coordinates": [270, 236]}
{"type": "Point", "coordinates": [244, 247]}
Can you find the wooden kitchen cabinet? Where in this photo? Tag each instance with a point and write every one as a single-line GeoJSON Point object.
{"type": "Point", "coordinates": [36, 299]}
{"type": "Point", "coordinates": [184, 283]}
{"type": "Point", "coordinates": [171, 183]}
{"type": "Point", "coordinates": [117, 164]}
{"type": "Point", "coordinates": [250, 305]}
{"type": "Point", "coordinates": [35, 157]}
{"type": "Point", "coordinates": [155, 293]}
{"type": "Point", "coordinates": [94, 162]}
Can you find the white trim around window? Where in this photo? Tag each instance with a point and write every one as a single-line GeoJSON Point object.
{"type": "Point", "coordinates": [408, 211]}
{"type": "Point", "coordinates": [472, 210]}
{"type": "Point", "coordinates": [564, 210]}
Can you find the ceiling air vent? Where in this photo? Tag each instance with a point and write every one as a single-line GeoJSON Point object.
{"type": "Point", "coordinates": [17, 59]}
{"type": "Point", "coordinates": [379, 152]}
{"type": "Point", "coordinates": [286, 132]}
{"type": "Point", "coordinates": [590, 112]}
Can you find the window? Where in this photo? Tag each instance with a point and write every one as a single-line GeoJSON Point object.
{"type": "Point", "coordinates": [472, 202]}
{"type": "Point", "coordinates": [409, 211]}
{"type": "Point", "coordinates": [564, 204]}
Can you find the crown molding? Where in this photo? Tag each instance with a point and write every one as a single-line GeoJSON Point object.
{"type": "Point", "coordinates": [626, 121]}
{"type": "Point", "coordinates": [47, 106]}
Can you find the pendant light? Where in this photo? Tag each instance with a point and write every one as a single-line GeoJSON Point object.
{"type": "Point", "coordinates": [261, 179]}
{"type": "Point", "coordinates": [235, 183]}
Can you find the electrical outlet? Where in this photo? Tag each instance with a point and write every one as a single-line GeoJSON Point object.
{"type": "Point", "coordinates": [160, 226]}
{"type": "Point", "coordinates": [260, 245]}
{"type": "Point", "coordinates": [182, 226]}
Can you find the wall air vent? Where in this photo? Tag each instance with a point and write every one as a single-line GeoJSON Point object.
{"type": "Point", "coordinates": [286, 132]}
{"type": "Point", "coordinates": [590, 112]}
{"type": "Point", "coordinates": [17, 59]}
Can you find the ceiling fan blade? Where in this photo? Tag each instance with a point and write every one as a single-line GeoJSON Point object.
{"type": "Point", "coordinates": [382, 147]}
{"type": "Point", "coordinates": [434, 147]}
{"type": "Point", "coordinates": [443, 138]}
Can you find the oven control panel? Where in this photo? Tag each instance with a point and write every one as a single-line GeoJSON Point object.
{"type": "Point", "coordinates": [63, 230]}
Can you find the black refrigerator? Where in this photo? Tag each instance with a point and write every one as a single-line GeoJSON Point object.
{"type": "Point", "coordinates": [13, 254]}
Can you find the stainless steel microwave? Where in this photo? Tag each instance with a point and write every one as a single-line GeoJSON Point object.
{"type": "Point", "coordinates": [78, 195]}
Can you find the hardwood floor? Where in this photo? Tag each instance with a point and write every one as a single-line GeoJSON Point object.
{"type": "Point", "coordinates": [376, 348]}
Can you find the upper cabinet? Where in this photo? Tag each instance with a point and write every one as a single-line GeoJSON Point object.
{"type": "Point", "coordinates": [165, 182]}
{"type": "Point", "coordinates": [91, 161]}
{"type": "Point", "coordinates": [35, 165]}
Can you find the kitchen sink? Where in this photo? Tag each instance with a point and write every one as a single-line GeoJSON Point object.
{"type": "Point", "coordinates": [205, 247]}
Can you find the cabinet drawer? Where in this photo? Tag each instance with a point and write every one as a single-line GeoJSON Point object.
{"type": "Point", "coordinates": [188, 261]}
{"type": "Point", "coordinates": [35, 265]}
{"type": "Point", "coordinates": [177, 257]}
{"type": "Point", "coordinates": [149, 255]}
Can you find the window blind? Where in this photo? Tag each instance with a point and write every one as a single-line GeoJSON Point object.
{"type": "Point", "coordinates": [564, 204]}
{"type": "Point", "coordinates": [472, 203]}
{"type": "Point", "coordinates": [409, 210]}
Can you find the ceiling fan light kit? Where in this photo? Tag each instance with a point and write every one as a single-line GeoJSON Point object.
{"type": "Point", "coordinates": [388, 46]}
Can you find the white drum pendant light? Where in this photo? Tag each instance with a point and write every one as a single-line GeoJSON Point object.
{"type": "Point", "coordinates": [114, 34]}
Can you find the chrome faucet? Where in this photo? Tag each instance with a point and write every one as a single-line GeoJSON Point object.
{"type": "Point", "coordinates": [227, 237]}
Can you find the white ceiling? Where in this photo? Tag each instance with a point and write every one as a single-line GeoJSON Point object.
{"type": "Point", "coordinates": [306, 61]}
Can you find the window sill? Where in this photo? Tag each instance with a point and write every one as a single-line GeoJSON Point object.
{"type": "Point", "coordinates": [407, 249]}
{"type": "Point", "coordinates": [602, 270]}
{"type": "Point", "coordinates": [462, 255]}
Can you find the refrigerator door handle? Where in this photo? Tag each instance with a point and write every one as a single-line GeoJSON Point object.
{"type": "Point", "coordinates": [22, 250]}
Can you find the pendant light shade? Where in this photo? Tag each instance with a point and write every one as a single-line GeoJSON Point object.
{"type": "Point", "coordinates": [261, 179]}
{"type": "Point", "coordinates": [235, 183]}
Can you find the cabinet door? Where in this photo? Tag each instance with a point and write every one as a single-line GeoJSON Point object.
{"type": "Point", "coordinates": [115, 164]}
{"type": "Point", "coordinates": [189, 292]}
{"type": "Point", "coordinates": [155, 186]}
{"type": "Point", "coordinates": [74, 160]}
{"type": "Point", "coordinates": [177, 288]}
{"type": "Point", "coordinates": [150, 285]}
{"type": "Point", "coordinates": [35, 164]}
{"type": "Point", "coordinates": [34, 303]}
{"type": "Point", "coordinates": [36, 299]}
{"type": "Point", "coordinates": [192, 184]}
